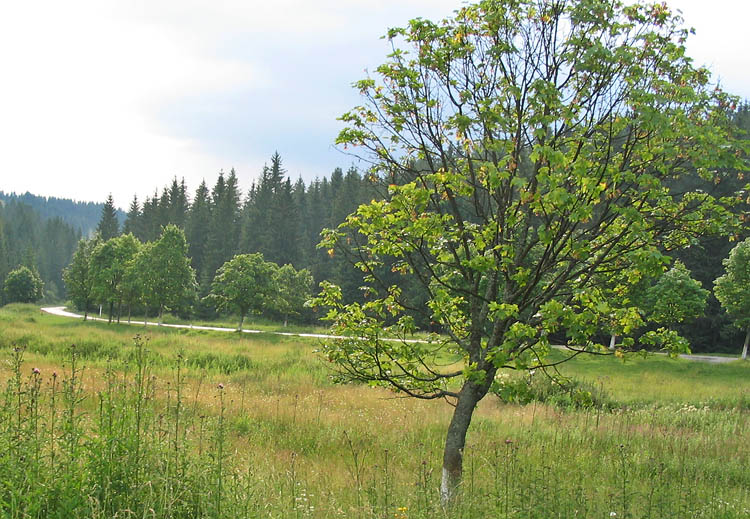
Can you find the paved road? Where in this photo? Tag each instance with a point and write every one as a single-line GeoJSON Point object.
{"type": "Point", "coordinates": [62, 312]}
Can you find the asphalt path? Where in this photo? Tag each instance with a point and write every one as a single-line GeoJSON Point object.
{"type": "Point", "coordinates": [62, 312]}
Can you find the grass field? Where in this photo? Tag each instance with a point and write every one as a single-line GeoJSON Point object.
{"type": "Point", "coordinates": [185, 423]}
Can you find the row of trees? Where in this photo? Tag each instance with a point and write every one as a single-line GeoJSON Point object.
{"type": "Point", "coordinates": [122, 272]}
{"type": "Point", "coordinates": [277, 218]}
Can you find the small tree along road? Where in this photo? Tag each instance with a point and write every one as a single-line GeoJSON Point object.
{"type": "Point", "coordinates": [78, 276]}
{"type": "Point", "coordinates": [245, 283]}
{"type": "Point", "coordinates": [733, 289]}
{"type": "Point", "coordinates": [165, 278]}
{"type": "Point", "coordinates": [529, 146]}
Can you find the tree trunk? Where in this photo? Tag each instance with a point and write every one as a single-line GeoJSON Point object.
{"type": "Point", "coordinates": [747, 341]}
{"type": "Point", "coordinates": [119, 311]}
{"type": "Point", "coordinates": [130, 308]}
{"type": "Point", "coordinates": [612, 340]}
{"type": "Point", "coordinates": [161, 314]}
{"type": "Point", "coordinates": [111, 311]}
{"type": "Point", "coordinates": [286, 318]}
{"type": "Point", "coordinates": [242, 320]}
{"type": "Point", "coordinates": [455, 440]}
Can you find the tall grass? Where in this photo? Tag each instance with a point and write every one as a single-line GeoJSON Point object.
{"type": "Point", "coordinates": [203, 425]}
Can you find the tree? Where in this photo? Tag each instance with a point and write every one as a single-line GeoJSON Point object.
{"type": "Point", "coordinates": [676, 296]}
{"type": "Point", "coordinates": [196, 227]}
{"type": "Point", "coordinates": [733, 289]}
{"type": "Point", "coordinates": [528, 146]}
{"type": "Point", "coordinates": [108, 226]}
{"type": "Point", "coordinates": [109, 262]}
{"type": "Point", "coordinates": [163, 269]}
{"type": "Point", "coordinates": [78, 277]}
{"type": "Point", "coordinates": [293, 289]}
{"type": "Point", "coordinates": [223, 234]}
{"type": "Point", "coordinates": [245, 283]}
{"type": "Point", "coordinates": [133, 221]}
{"type": "Point", "coordinates": [22, 285]}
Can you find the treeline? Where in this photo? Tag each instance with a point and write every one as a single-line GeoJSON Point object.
{"type": "Point", "coordinates": [149, 278]}
{"type": "Point", "coordinates": [276, 217]}
{"type": "Point", "coordinates": [44, 246]}
{"type": "Point", "coordinates": [81, 216]}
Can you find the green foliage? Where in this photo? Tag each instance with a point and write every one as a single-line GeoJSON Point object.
{"type": "Point", "coordinates": [733, 288]}
{"type": "Point", "coordinates": [522, 191]}
{"type": "Point", "coordinates": [109, 263]}
{"type": "Point", "coordinates": [676, 297]}
{"type": "Point", "coordinates": [529, 147]}
{"type": "Point", "coordinates": [109, 226]}
{"type": "Point", "coordinates": [79, 278]}
{"type": "Point", "coordinates": [161, 274]}
{"type": "Point", "coordinates": [23, 285]}
{"type": "Point", "coordinates": [244, 283]}
{"type": "Point", "coordinates": [293, 289]}
{"type": "Point", "coordinates": [560, 392]}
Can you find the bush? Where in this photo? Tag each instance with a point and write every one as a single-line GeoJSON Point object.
{"type": "Point", "coordinates": [560, 392]}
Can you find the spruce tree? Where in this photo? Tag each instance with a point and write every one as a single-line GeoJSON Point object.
{"type": "Point", "coordinates": [197, 227]}
{"type": "Point", "coordinates": [108, 226]}
{"type": "Point", "coordinates": [133, 222]}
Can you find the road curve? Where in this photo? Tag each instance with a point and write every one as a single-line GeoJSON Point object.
{"type": "Point", "coordinates": [62, 312]}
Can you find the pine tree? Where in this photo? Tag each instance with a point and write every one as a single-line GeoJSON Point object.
{"type": "Point", "coordinates": [133, 222]}
{"type": "Point", "coordinates": [224, 227]}
{"type": "Point", "coordinates": [178, 203]}
{"type": "Point", "coordinates": [108, 226]}
{"type": "Point", "coordinates": [197, 227]}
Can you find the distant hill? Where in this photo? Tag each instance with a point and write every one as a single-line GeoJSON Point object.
{"type": "Point", "coordinates": [79, 215]}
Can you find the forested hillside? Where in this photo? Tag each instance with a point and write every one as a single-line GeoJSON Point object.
{"type": "Point", "coordinates": [81, 216]}
{"type": "Point", "coordinates": [44, 245]}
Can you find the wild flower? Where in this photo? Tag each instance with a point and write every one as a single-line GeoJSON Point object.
{"type": "Point", "coordinates": [220, 386]}
{"type": "Point", "coordinates": [35, 371]}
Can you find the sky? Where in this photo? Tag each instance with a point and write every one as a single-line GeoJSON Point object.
{"type": "Point", "coordinates": [119, 97]}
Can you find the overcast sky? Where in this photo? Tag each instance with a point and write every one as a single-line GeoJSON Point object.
{"type": "Point", "coordinates": [104, 96]}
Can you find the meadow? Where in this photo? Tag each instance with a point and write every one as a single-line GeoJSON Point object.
{"type": "Point", "coordinates": [97, 421]}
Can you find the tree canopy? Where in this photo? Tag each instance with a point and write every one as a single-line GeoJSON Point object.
{"type": "Point", "coordinates": [78, 276]}
{"type": "Point", "coordinates": [109, 226]}
{"type": "Point", "coordinates": [163, 273]}
{"type": "Point", "coordinates": [676, 296]}
{"type": "Point", "coordinates": [733, 288]}
{"type": "Point", "coordinates": [529, 147]}
{"type": "Point", "coordinates": [244, 283]}
{"type": "Point", "coordinates": [22, 285]}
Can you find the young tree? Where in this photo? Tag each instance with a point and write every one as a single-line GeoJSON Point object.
{"type": "Point", "coordinates": [245, 283]}
{"type": "Point", "coordinates": [293, 289]}
{"type": "Point", "coordinates": [529, 145]}
{"type": "Point", "coordinates": [22, 285]}
{"type": "Point", "coordinates": [108, 226]}
{"type": "Point", "coordinates": [163, 268]}
{"type": "Point", "coordinates": [109, 262]}
{"type": "Point", "coordinates": [78, 276]}
{"type": "Point", "coordinates": [676, 296]}
{"type": "Point", "coordinates": [733, 288]}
